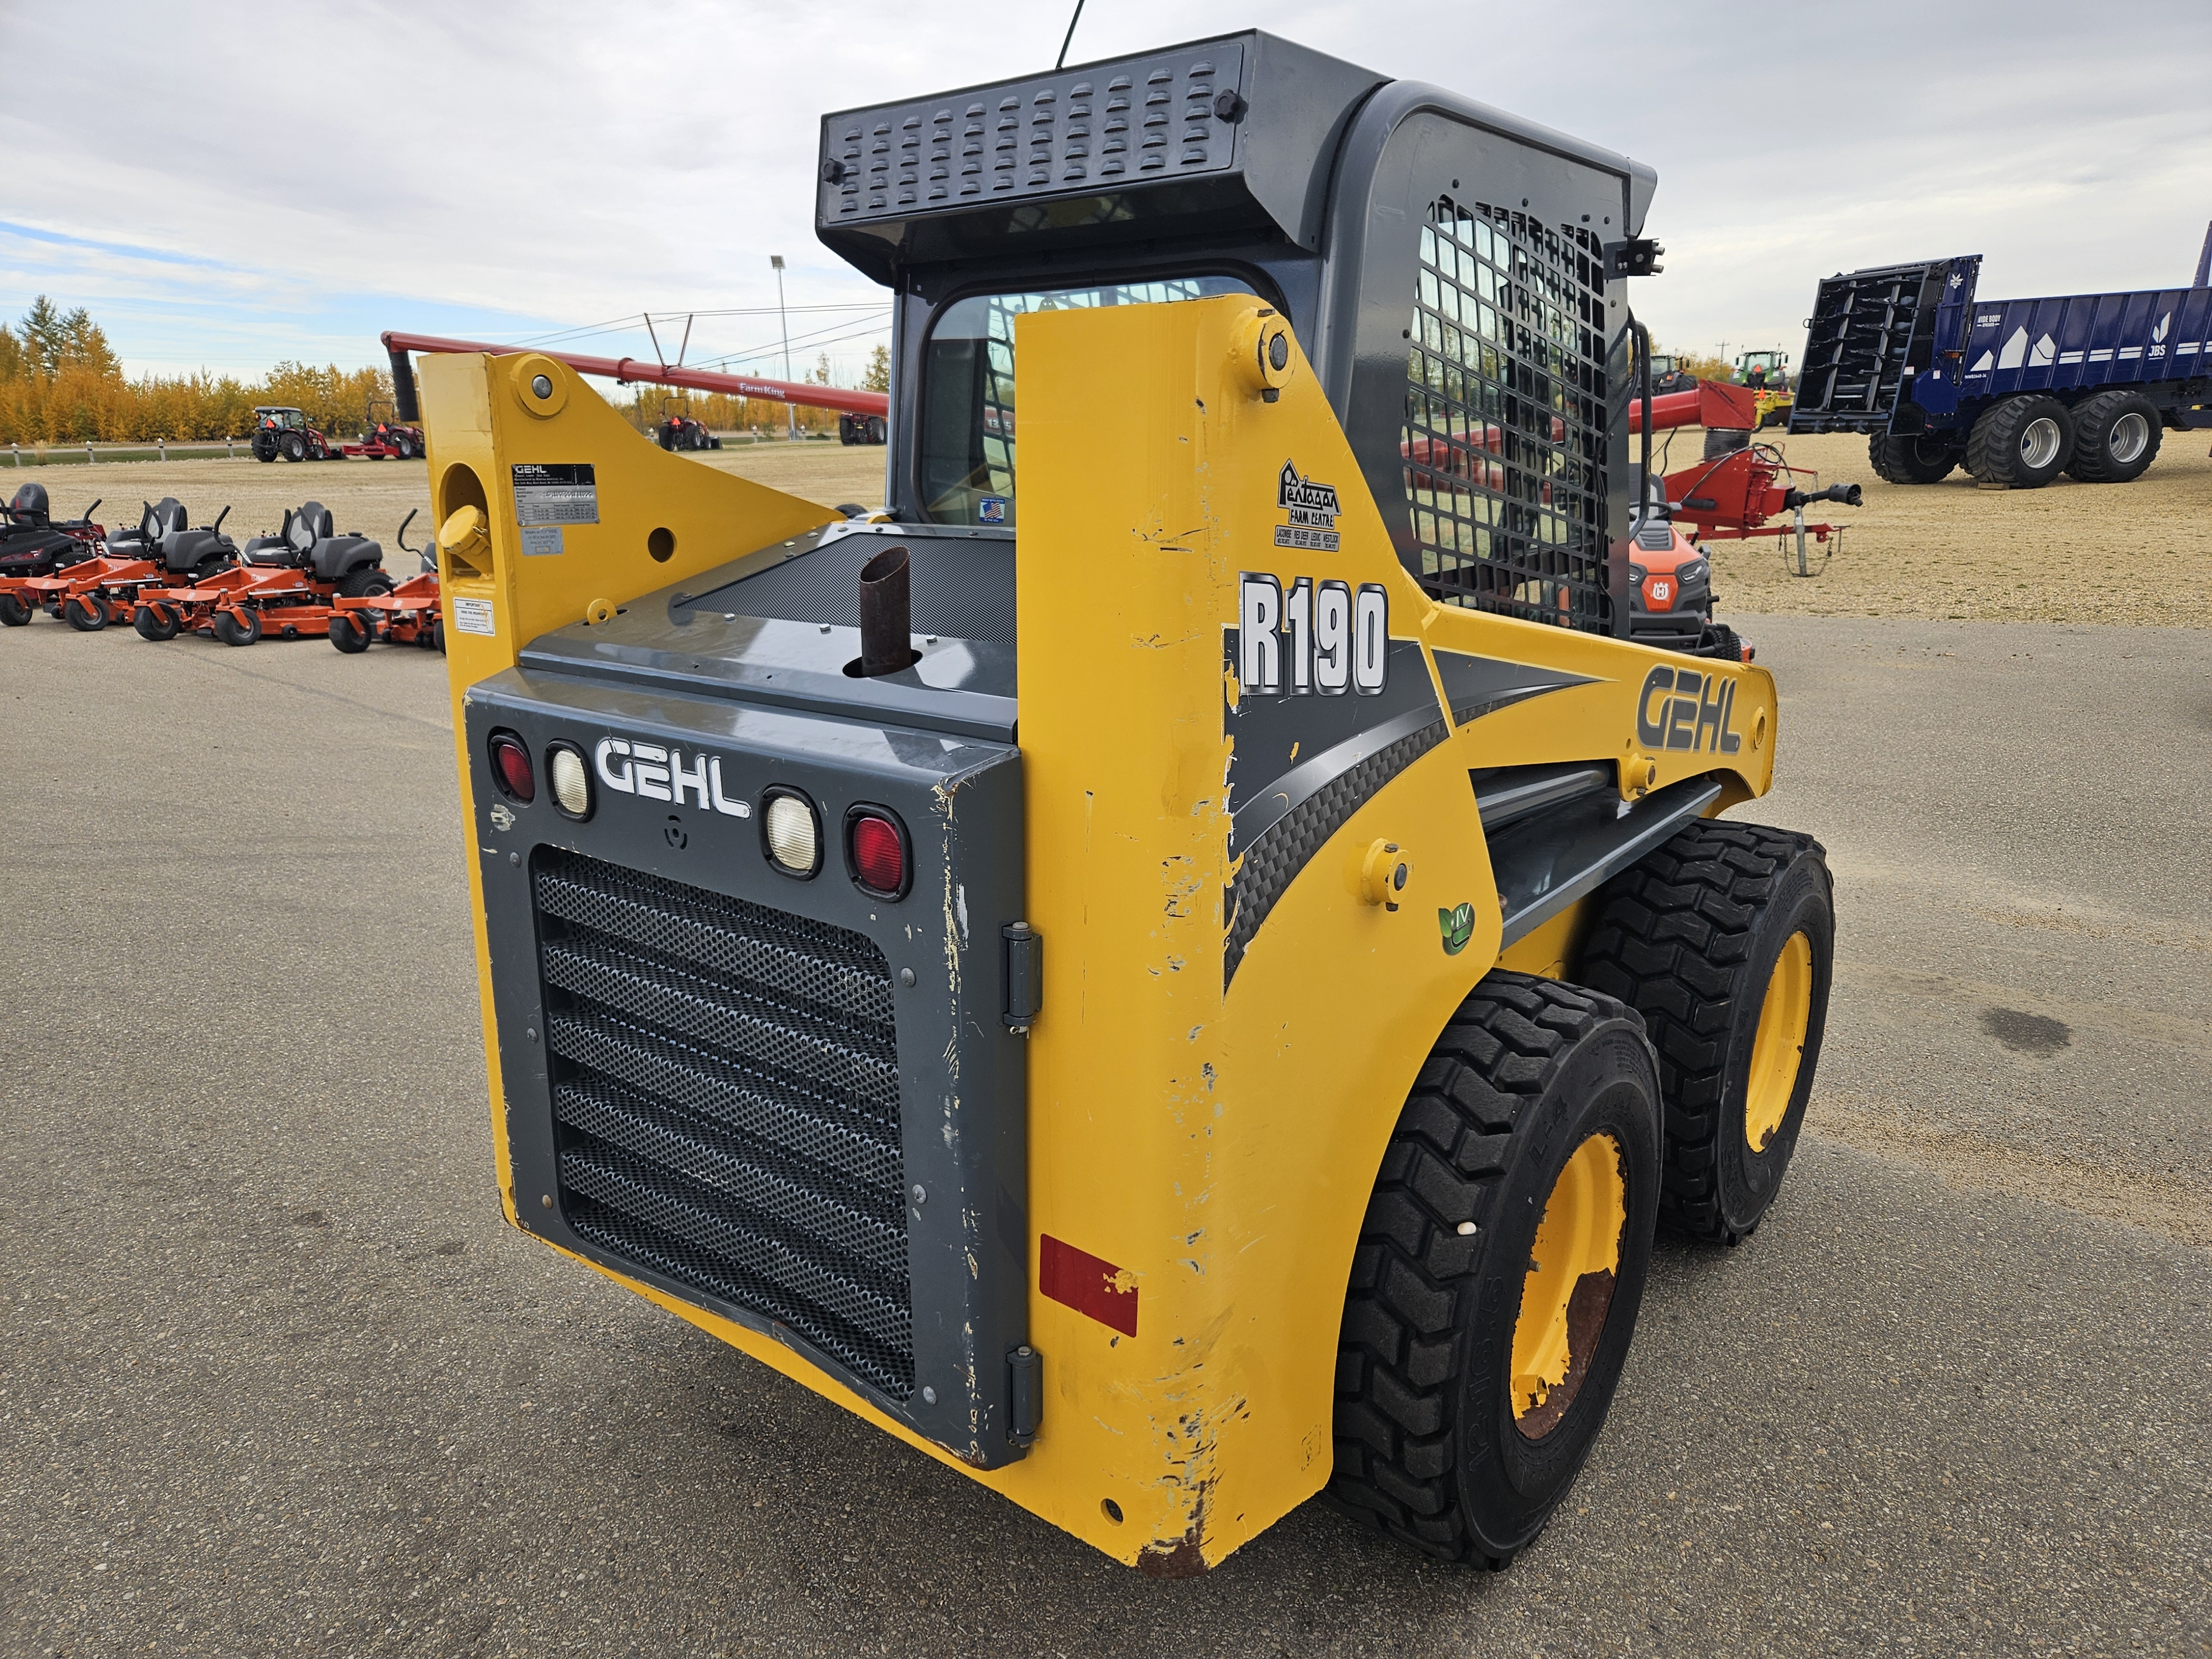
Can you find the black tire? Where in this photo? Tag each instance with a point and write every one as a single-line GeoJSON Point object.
{"type": "Point", "coordinates": [2116, 437]}
{"type": "Point", "coordinates": [2022, 443]}
{"type": "Point", "coordinates": [361, 583]}
{"type": "Point", "coordinates": [238, 628]}
{"type": "Point", "coordinates": [264, 447]}
{"type": "Point", "coordinates": [207, 566]}
{"type": "Point", "coordinates": [1725, 440]}
{"type": "Point", "coordinates": [403, 448]}
{"type": "Point", "coordinates": [155, 622]}
{"type": "Point", "coordinates": [1691, 937]}
{"type": "Point", "coordinates": [1429, 1449]}
{"type": "Point", "coordinates": [348, 637]}
{"type": "Point", "coordinates": [88, 613]}
{"type": "Point", "coordinates": [1924, 458]}
{"type": "Point", "coordinates": [14, 613]}
{"type": "Point", "coordinates": [292, 446]}
{"type": "Point", "coordinates": [438, 636]}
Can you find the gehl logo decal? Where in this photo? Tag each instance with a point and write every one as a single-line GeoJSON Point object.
{"type": "Point", "coordinates": [659, 774]}
{"type": "Point", "coordinates": [1321, 637]}
{"type": "Point", "coordinates": [1698, 715]}
{"type": "Point", "coordinates": [1312, 509]}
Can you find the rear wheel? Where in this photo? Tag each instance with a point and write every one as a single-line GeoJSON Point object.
{"type": "Point", "coordinates": [360, 584]}
{"type": "Point", "coordinates": [238, 627]}
{"type": "Point", "coordinates": [2022, 443]}
{"type": "Point", "coordinates": [1723, 939]}
{"type": "Point", "coordinates": [88, 613]}
{"type": "Point", "coordinates": [1725, 440]}
{"type": "Point", "coordinates": [14, 613]}
{"type": "Point", "coordinates": [1924, 458]}
{"type": "Point", "coordinates": [293, 447]}
{"type": "Point", "coordinates": [155, 622]}
{"type": "Point", "coordinates": [1498, 1272]}
{"type": "Point", "coordinates": [2116, 438]}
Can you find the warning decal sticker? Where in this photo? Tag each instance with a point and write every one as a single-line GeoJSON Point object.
{"type": "Point", "coordinates": [555, 493]}
{"type": "Point", "coordinates": [473, 617]}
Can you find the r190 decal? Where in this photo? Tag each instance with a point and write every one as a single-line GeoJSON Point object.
{"type": "Point", "coordinates": [1320, 638]}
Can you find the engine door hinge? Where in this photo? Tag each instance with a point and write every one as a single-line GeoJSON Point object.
{"type": "Point", "coordinates": [1024, 962]}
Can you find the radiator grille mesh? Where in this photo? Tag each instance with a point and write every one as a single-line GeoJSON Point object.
{"type": "Point", "coordinates": [726, 1090]}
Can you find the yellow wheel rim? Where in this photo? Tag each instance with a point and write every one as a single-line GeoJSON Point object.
{"type": "Point", "coordinates": [1568, 1285]}
{"type": "Point", "coordinates": [1779, 1048]}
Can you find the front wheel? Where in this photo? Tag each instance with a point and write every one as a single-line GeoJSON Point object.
{"type": "Point", "coordinates": [155, 622]}
{"type": "Point", "coordinates": [1724, 939]}
{"type": "Point", "coordinates": [348, 636]}
{"type": "Point", "coordinates": [88, 613]}
{"type": "Point", "coordinates": [1496, 1284]}
{"type": "Point", "coordinates": [14, 613]}
{"type": "Point", "coordinates": [241, 627]}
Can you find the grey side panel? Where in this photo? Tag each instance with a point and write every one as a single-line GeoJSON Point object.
{"type": "Point", "coordinates": [1475, 686]}
{"type": "Point", "coordinates": [1548, 861]}
{"type": "Point", "coordinates": [673, 1027]}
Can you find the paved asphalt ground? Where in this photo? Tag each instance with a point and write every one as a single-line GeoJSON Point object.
{"type": "Point", "coordinates": [276, 1377]}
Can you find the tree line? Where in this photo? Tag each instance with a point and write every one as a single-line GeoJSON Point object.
{"type": "Point", "coordinates": [61, 383]}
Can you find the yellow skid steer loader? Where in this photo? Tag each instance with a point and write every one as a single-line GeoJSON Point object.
{"type": "Point", "coordinates": [1177, 967]}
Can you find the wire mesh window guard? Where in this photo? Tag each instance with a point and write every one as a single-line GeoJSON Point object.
{"type": "Point", "coordinates": [1505, 415]}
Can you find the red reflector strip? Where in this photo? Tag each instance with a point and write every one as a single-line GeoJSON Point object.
{"type": "Point", "coordinates": [1083, 1282]}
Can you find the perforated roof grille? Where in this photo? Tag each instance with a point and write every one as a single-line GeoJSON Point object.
{"type": "Point", "coordinates": [1505, 415]}
{"type": "Point", "coordinates": [725, 1089]}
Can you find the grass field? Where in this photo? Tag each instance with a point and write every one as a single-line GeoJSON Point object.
{"type": "Point", "coordinates": [2138, 553]}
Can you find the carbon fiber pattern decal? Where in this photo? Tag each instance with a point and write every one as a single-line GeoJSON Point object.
{"type": "Point", "coordinates": [1289, 845]}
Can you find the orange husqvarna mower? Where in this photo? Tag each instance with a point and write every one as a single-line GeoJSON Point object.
{"type": "Point", "coordinates": [33, 544]}
{"type": "Point", "coordinates": [92, 594]}
{"type": "Point", "coordinates": [409, 615]}
{"type": "Point", "coordinates": [285, 584]}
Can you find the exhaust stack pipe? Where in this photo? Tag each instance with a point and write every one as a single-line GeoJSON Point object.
{"type": "Point", "coordinates": [886, 614]}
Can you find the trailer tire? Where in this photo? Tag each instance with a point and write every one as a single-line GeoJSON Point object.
{"type": "Point", "coordinates": [1917, 459]}
{"type": "Point", "coordinates": [1724, 441]}
{"type": "Point", "coordinates": [347, 636]}
{"type": "Point", "coordinates": [1532, 1132]}
{"type": "Point", "coordinates": [2116, 437]}
{"type": "Point", "coordinates": [1701, 938]}
{"type": "Point", "coordinates": [88, 613]}
{"type": "Point", "coordinates": [155, 622]}
{"type": "Point", "coordinates": [2022, 443]}
{"type": "Point", "coordinates": [237, 627]}
{"type": "Point", "coordinates": [14, 613]}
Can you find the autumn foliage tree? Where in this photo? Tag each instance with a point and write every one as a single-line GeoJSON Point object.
{"type": "Point", "coordinates": [61, 383]}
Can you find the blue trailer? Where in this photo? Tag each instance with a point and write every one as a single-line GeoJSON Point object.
{"type": "Point", "coordinates": [2017, 390]}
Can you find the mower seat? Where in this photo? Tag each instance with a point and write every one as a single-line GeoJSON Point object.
{"type": "Point", "coordinates": [28, 510]}
{"type": "Point", "coordinates": [293, 548]}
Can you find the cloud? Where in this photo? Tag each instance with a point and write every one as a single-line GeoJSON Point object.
{"type": "Point", "coordinates": [288, 181]}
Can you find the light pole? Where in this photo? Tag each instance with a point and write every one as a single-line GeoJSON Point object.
{"type": "Point", "coordinates": [790, 412]}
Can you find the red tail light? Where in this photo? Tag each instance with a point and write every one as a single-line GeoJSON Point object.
{"type": "Point", "coordinates": [877, 843]}
{"type": "Point", "coordinates": [510, 765]}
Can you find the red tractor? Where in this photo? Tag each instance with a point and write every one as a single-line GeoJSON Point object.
{"type": "Point", "coordinates": [677, 430]}
{"type": "Point", "coordinates": [281, 430]}
{"type": "Point", "coordinates": [384, 437]}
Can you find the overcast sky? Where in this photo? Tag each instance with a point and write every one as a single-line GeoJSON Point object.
{"type": "Point", "coordinates": [225, 185]}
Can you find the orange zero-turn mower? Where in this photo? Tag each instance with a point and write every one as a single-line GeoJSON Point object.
{"type": "Point", "coordinates": [89, 595]}
{"type": "Point", "coordinates": [409, 615]}
{"type": "Point", "coordinates": [284, 584]}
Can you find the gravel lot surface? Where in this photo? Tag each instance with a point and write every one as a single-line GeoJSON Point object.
{"type": "Point", "coordinates": [276, 1377]}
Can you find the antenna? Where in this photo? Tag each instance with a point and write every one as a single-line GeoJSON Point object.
{"type": "Point", "coordinates": [1070, 36]}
